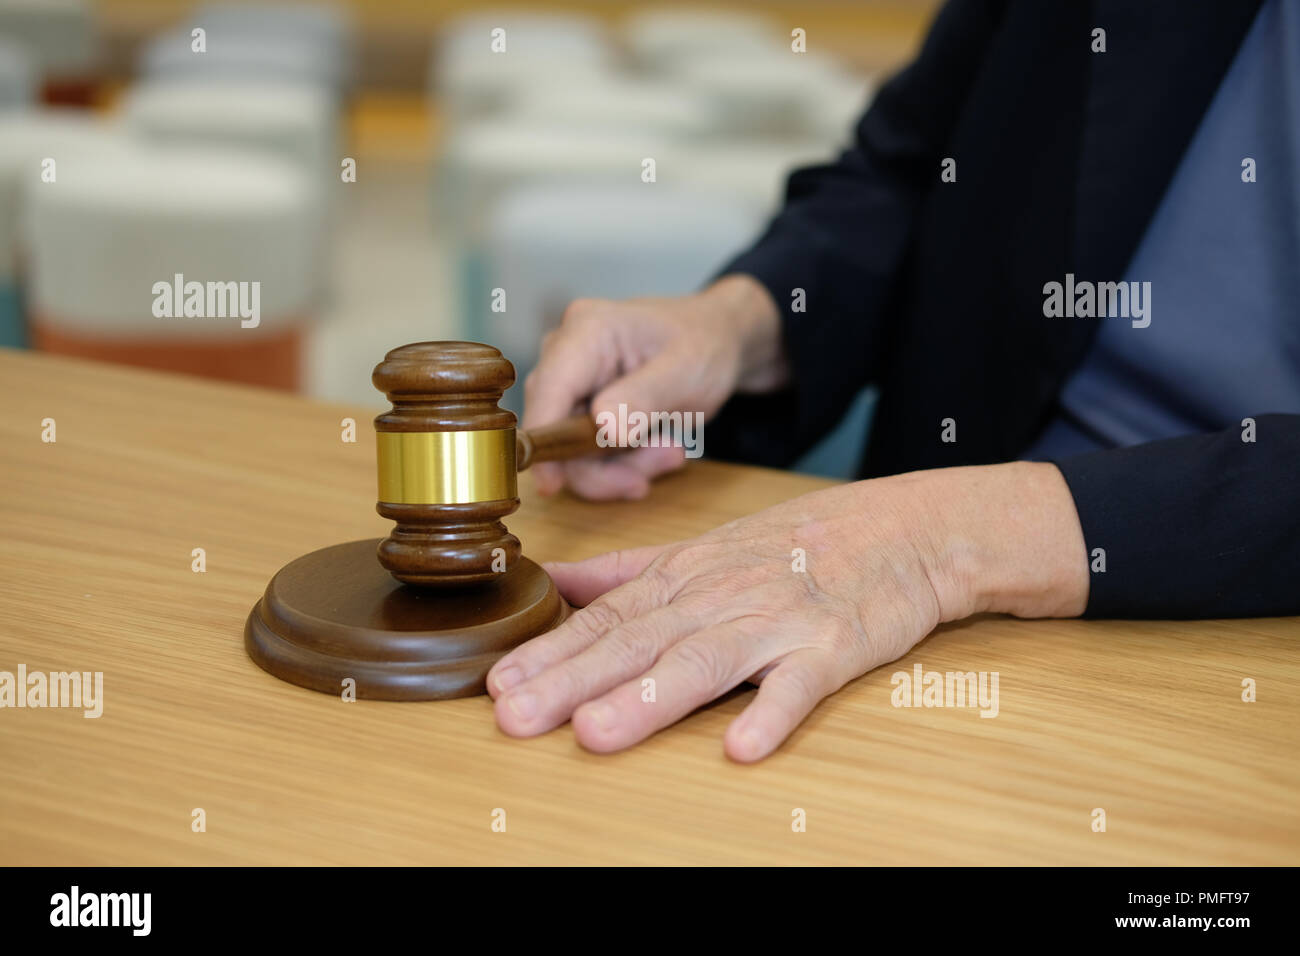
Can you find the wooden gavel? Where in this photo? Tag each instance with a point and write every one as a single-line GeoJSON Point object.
{"type": "Point", "coordinates": [448, 460]}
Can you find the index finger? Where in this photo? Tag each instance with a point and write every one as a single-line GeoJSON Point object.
{"type": "Point", "coordinates": [574, 363]}
{"type": "Point", "coordinates": [618, 602]}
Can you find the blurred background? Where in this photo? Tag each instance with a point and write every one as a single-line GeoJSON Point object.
{"type": "Point", "coordinates": [392, 171]}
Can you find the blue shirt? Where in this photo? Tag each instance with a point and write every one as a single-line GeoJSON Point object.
{"type": "Point", "coordinates": [1223, 259]}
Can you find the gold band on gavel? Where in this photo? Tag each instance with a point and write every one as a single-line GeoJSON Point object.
{"type": "Point", "coordinates": [443, 468]}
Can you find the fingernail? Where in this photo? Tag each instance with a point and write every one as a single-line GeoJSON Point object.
{"type": "Point", "coordinates": [602, 715]}
{"type": "Point", "coordinates": [523, 705]}
{"type": "Point", "coordinates": [752, 741]}
{"type": "Point", "coordinates": [508, 678]}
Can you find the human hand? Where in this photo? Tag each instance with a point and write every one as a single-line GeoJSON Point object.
{"type": "Point", "coordinates": [685, 354]}
{"type": "Point", "coordinates": [886, 561]}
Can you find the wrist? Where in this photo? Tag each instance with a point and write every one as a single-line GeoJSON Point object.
{"type": "Point", "coordinates": [1007, 539]}
{"type": "Point", "coordinates": [750, 319]}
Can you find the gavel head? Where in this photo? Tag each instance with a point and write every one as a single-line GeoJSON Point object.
{"type": "Point", "coordinates": [447, 472]}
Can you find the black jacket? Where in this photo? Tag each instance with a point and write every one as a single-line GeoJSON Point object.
{"type": "Point", "coordinates": [935, 290]}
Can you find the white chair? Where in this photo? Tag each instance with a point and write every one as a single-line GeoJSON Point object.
{"type": "Point", "coordinates": [771, 93]}
{"type": "Point", "coordinates": [471, 81]}
{"type": "Point", "coordinates": [62, 40]}
{"type": "Point", "coordinates": [238, 56]}
{"type": "Point", "coordinates": [28, 138]}
{"type": "Point", "coordinates": [616, 104]}
{"type": "Point", "coordinates": [295, 122]}
{"type": "Point", "coordinates": [548, 244]}
{"type": "Point", "coordinates": [327, 26]}
{"type": "Point", "coordinates": [135, 258]}
{"type": "Point", "coordinates": [17, 75]}
{"type": "Point", "coordinates": [661, 38]}
{"type": "Point", "coordinates": [755, 172]}
{"type": "Point", "coordinates": [484, 161]}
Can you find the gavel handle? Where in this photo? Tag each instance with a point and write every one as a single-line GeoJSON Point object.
{"type": "Point", "coordinates": [571, 438]}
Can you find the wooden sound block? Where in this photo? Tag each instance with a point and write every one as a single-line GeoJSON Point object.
{"type": "Point", "coordinates": [336, 614]}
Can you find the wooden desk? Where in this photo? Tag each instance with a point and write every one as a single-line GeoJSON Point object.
{"type": "Point", "coordinates": [1144, 720]}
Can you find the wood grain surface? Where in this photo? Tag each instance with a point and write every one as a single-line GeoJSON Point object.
{"type": "Point", "coordinates": [1144, 720]}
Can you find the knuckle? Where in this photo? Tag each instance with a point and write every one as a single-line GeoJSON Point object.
{"type": "Point", "coordinates": [700, 659]}
{"type": "Point", "coordinates": [578, 310]}
{"type": "Point", "coordinates": [683, 560]}
{"type": "Point", "coordinates": [568, 681]}
{"type": "Point", "coordinates": [656, 576]}
{"type": "Point", "coordinates": [598, 618]}
{"type": "Point", "coordinates": [534, 656]}
{"type": "Point", "coordinates": [804, 683]}
{"type": "Point", "coordinates": [627, 650]}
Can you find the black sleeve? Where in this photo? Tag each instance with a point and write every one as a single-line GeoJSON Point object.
{"type": "Point", "coordinates": [1201, 526]}
{"type": "Point", "coordinates": [841, 237]}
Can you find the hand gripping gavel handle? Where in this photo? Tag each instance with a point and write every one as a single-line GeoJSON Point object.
{"type": "Point", "coordinates": [571, 438]}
